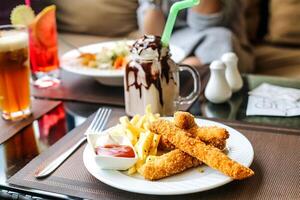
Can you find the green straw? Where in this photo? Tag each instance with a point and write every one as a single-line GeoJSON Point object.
{"type": "Point", "coordinates": [176, 7]}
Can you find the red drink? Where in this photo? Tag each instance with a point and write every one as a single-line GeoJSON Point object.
{"type": "Point", "coordinates": [43, 49]}
{"type": "Point", "coordinates": [43, 56]}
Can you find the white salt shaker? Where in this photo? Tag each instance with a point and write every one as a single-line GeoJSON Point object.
{"type": "Point", "coordinates": [217, 89]}
{"type": "Point", "coordinates": [232, 73]}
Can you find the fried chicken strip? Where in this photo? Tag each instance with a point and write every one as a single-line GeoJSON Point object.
{"type": "Point", "coordinates": [184, 120]}
{"type": "Point", "coordinates": [161, 167]}
{"type": "Point", "coordinates": [168, 164]}
{"type": "Point", "coordinates": [165, 145]}
{"type": "Point", "coordinates": [164, 166]}
{"type": "Point", "coordinates": [215, 136]}
{"type": "Point", "coordinates": [211, 156]}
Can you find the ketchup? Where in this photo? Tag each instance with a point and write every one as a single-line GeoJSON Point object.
{"type": "Point", "coordinates": [115, 150]}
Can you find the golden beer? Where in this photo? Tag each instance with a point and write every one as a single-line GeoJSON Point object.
{"type": "Point", "coordinates": [14, 72]}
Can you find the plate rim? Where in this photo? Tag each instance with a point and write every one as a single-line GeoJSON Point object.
{"type": "Point", "coordinates": [96, 72]}
{"type": "Point", "coordinates": [90, 71]}
{"type": "Point", "coordinates": [178, 192]}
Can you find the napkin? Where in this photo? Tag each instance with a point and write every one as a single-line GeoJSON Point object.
{"type": "Point", "coordinates": [272, 100]}
{"type": "Point", "coordinates": [276, 92]}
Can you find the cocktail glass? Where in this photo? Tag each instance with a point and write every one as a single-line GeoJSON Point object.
{"type": "Point", "coordinates": [44, 60]}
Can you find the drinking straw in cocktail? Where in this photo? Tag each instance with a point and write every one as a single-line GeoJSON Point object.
{"type": "Point", "coordinates": [27, 2]}
{"type": "Point", "coordinates": [172, 18]}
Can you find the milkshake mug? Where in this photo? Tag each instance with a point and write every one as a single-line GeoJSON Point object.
{"type": "Point", "coordinates": [152, 77]}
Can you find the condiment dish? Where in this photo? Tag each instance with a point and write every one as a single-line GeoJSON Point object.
{"type": "Point", "coordinates": [111, 136]}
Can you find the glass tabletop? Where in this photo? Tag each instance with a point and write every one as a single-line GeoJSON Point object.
{"type": "Point", "coordinates": [44, 132]}
{"type": "Point", "coordinates": [235, 108]}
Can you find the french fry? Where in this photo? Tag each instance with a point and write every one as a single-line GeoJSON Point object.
{"type": "Point", "coordinates": [155, 142]}
{"type": "Point", "coordinates": [124, 120]}
{"type": "Point", "coordinates": [132, 137]}
{"type": "Point", "coordinates": [136, 131]}
{"type": "Point", "coordinates": [146, 125]}
{"type": "Point", "coordinates": [144, 141]}
{"type": "Point", "coordinates": [140, 123]}
{"type": "Point", "coordinates": [127, 125]}
{"type": "Point", "coordinates": [139, 164]}
{"type": "Point", "coordinates": [135, 120]}
{"type": "Point", "coordinates": [143, 145]}
{"type": "Point", "coordinates": [131, 170]}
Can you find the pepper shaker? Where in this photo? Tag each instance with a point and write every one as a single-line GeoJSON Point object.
{"type": "Point", "coordinates": [217, 89]}
{"type": "Point", "coordinates": [232, 73]}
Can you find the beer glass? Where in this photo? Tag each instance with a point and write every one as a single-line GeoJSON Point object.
{"type": "Point", "coordinates": [14, 72]}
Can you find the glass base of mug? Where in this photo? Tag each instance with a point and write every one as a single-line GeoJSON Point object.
{"type": "Point", "coordinates": [46, 79]}
{"type": "Point", "coordinates": [14, 116]}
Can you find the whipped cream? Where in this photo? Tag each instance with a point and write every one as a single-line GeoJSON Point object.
{"type": "Point", "coordinates": [149, 48]}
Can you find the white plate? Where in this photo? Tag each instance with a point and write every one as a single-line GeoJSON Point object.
{"type": "Point", "coordinates": [106, 77]}
{"type": "Point", "coordinates": [190, 181]}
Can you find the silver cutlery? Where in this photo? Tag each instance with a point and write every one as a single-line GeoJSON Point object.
{"type": "Point", "coordinates": [97, 125]}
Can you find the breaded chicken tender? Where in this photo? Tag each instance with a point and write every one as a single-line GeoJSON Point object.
{"type": "Point", "coordinates": [167, 164]}
{"type": "Point", "coordinates": [165, 145]}
{"type": "Point", "coordinates": [184, 120]}
{"type": "Point", "coordinates": [211, 135]}
{"type": "Point", "coordinates": [211, 156]}
{"type": "Point", "coordinates": [163, 166]}
{"type": "Point", "coordinates": [215, 136]}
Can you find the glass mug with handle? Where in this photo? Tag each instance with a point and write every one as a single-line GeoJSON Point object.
{"type": "Point", "coordinates": [152, 77]}
{"type": "Point", "coordinates": [14, 72]}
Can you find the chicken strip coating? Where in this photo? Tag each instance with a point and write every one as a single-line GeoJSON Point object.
{"type": "Point", "coordinates": [165, 145]}
{"type": "Point", "coordinates": [215, 136]}
{"type": "Point", "coordinates": [168, 164]}
{"type": "Point", "coordinates": [211, 135]}
{"type": "Point", "coordinates": [163, 166]}
{"type": "Point", "coordinates": [184, 120]}
{"type": "Point", "coordinates": [209, 155]}
{"type": "Point", "coordinates": [199, 133]}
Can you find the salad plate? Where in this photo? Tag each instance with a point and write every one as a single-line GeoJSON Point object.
{"type": "Point", "coordinates": [107, 60]}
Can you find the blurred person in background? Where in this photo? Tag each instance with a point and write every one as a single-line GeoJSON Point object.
{"type": "Point", "coordinates": [204, 32]}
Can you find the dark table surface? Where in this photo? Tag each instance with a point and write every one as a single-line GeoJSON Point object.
{"type": "Point", "coordinates": [44, 132]}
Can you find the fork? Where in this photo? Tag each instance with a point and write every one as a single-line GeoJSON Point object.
{"type": "Point", "coordinates": [96, 126]}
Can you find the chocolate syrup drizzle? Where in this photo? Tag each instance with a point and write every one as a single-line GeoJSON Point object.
{"type": "Point", "coordinates": [154, 43]}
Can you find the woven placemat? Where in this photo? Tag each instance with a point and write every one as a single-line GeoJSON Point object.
{"type": "Point", "coordinates": [39, 107]}
{"type": "Point", "coordinates": [276, 166]}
